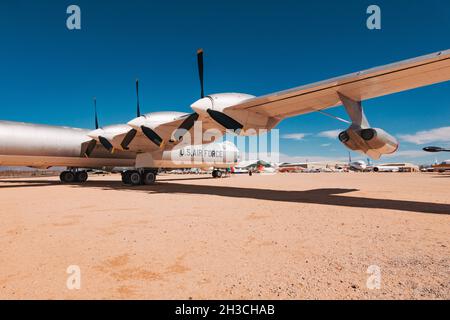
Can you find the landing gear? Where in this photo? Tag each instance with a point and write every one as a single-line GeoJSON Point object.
{"type": "Point", "coordinates": [135, 178]}
{"type": "Point", "coordinates": [148, 177]}
{"type": "Point", "coordinates": [217, 174]}
{"type": "Point", "coordinates": [139, 177]}
{"type": "Point", "coordinates": [81, 176]}
{"type": "Point", "coordinates": [72, 176]}
{"type": "Point", "coordinates": [67, 177]}
{"type": "Point", "coordinates": [126, 177]}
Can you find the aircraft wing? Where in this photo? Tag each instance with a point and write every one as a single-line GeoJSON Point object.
{"type": "Point", "coordinates": [371, 83]}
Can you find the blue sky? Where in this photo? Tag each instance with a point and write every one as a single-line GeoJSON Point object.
{"type": "Point", "coordinates": [48, 74]}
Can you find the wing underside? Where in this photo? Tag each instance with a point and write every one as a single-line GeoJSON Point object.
{"type": "Point", "coordinates": [359, 86]}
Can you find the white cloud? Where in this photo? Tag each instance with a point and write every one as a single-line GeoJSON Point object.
{"type": "Point", "coordinates": [408, 154]}
{"type": "Point", "coordinates": [422, 137]}
{"type": "Point", "coordinates": [331, 134]}
{"type": "Point", "coordinates": [294, 136]}
{"type": "Point", "coordinates": [310, 158]}
{"type": "Point", "coordinates": [281, 157]}
{"type": "Point", "coordinates": [325, 144]}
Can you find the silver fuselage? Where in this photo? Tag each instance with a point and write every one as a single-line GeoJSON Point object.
{"type": "Point", "coordinates": [44, 146]}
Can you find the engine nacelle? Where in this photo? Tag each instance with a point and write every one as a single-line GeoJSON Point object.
{"type": "Point", "coordinates": [242, 122]}
{"type": "Point", "coordinates": [373, 142]}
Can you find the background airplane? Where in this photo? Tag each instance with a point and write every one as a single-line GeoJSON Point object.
{"type": "Point", "coordinates": [435, 149]}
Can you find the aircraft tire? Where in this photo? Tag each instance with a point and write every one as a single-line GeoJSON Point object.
{"type": "Point", "coordinates": [135, 178]}
{"type": "Point", "coordinates": [217, 174]}
{"type": "Point", "coordinates": [67, 177]}
{"type": "Point", "coordinates": [81, 176]}
{"type": "Point", "coordinates": [148, 177]}
{"type": "Point", "coordinates": [126, 177]}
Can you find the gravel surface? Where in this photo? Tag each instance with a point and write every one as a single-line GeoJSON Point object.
{"type": "Point", "coordinates": [284, 236]}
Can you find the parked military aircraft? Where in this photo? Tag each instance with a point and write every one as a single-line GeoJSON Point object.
{"type": "Point", "coordinates": [174, 139]}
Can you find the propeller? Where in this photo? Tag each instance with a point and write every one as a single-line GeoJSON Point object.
{"type": "Point", "coordinates": [91, 145]}
{"type": "Point", "coordinates": [220, 117]}
{"type": "Point", "coordinates": [186, 125]}
{"type": "Point", "coordinates": [183, 128]}
{"type": "Point", "coordinates": [149, 133]}
{"type": "Point", "coordinates": [132, 133]}
{"type": "Point", "coordinates": [189, 122]}
{"type": "Point", "coordinates": [152, 135]}
{"type": "Point", "coordinates": [103, 141]}
{"type": "Point", "coordinates": [95, 111]}
{"type": "Point", "coordinates": [225, 120]}
{"type": "Point", "coordinates": [128, 138]}
{"type": "Point", "coordinates": [200, 71]}
{"type": "Point", "coordinates": [138, 109]}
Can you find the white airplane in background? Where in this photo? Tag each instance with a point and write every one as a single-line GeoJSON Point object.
{"type": "Point", "coordinates": [386, 168]}
{"type": "Point", "coordinates": [160, 139]}
{"type": "Point", "coordinates": [359, 165]}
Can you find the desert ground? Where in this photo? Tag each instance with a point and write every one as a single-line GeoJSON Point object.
{"type": "Point", "coordinates": [283, 236]}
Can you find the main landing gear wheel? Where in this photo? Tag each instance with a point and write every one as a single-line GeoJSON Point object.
{"type": "Point", "coordinates": [135, 178]}
{"type": "Point", "coordinates": [139, 177]}
{"type": "Point", "coordinates": [148, 177]}
{"type": "Point", "coordinates": [67, 177]}
{"type": "Point", "coordinates": [73, 176]}
{"type": "Point", "coordinates": [217, 174]}
{"type": "Point", "coordinates": [126, 177]}
{"type": "Point", "coordinates": [81, 176]}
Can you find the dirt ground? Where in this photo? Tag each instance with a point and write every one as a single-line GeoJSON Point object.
{"type": "Point", "coordinates": [284, 236]}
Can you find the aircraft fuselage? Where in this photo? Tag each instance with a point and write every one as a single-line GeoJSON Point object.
{"type": "Point", "coordinates": [43, 146]}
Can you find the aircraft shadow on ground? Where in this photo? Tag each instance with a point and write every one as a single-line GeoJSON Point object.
{"type": "Point", "coordinates": [326, 196]}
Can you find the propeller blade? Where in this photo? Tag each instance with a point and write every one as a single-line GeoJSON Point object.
{"type": "Point", "coordinates": [128, 138]}
{"type": "Point", "coordinates": [105, 143]}
{"type": "Point", "coordinates": [200, 71]}
{"type": "Point", "coordinates": [138, 108]}
{"type": "Point", "coordinates": [224, 120]}
{"type": "Point", "coordinates": [95, 111]}
{"type": "Point", "coordinates": [186, 125]}
{"type": "Point", "coordinates": [152, 135]}
{"type": "Point", "coordinates": [90, 147]}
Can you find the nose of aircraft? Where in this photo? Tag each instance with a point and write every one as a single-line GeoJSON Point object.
{"type": "Point", "coordinates": [137, 123]}
{"type": "Point", "coordinates": [200, 106]}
